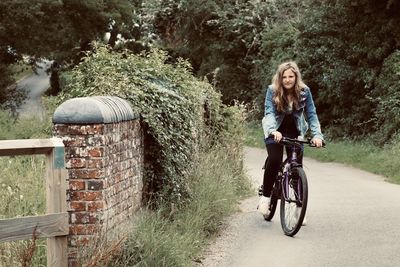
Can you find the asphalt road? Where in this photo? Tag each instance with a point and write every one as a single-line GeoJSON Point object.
{"type": "Point", "coordinates": [353, 220]}
{"type": "Point", "coordinates": [35, 85]}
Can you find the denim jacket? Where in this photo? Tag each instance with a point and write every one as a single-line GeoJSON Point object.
{"type": "Point", "coordinates": [273, 119]}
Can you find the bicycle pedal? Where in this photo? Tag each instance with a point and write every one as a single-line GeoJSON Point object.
{"type": "Point", "coordinates": [260, 191]}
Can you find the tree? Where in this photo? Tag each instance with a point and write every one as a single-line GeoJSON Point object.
{"type": "Point", "coordinates": [57, 29]}
{"type": "Point", "coordinates": [220, 38]}
{"type": "Point", "coordinates": [342, 47]}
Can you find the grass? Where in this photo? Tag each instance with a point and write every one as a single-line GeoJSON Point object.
{"type": "Point", "coordinates": [20, 70]}
{"type": "Point", "coordinates": [173, 236]}
{"type": "Point", "coordinates": [22, 193]}
{"type": "Point", "coordinates": [22, 190]}
{"type": "Point", "coordinates": [254, 135]}
{"type": "Point", "coordinates": [23, 128]}
{"type": "Point", "coordinates": [365, 155]}
{"type": "Point", "coordinates": [384, 161]}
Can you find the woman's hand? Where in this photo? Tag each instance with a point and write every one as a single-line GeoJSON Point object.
{"type": "Point", "coordinates": [277, 136]}
{"type": "Point", "coordinates": [317, 142]}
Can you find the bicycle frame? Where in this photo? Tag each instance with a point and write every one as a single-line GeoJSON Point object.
{"type": "Point", "coordinates": [290, 162]}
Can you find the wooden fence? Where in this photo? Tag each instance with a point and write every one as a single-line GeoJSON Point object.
{"type": "Point", "coordinates": [54, 224]}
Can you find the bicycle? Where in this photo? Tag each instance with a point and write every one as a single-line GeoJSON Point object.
{"type": "Point", "coordinates": [291, 188]}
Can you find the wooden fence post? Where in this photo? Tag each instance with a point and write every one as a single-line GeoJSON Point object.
{"type": "Point", "coordinates": [54, 224]}
{"type": "Point", "coordinates": [56, 201]}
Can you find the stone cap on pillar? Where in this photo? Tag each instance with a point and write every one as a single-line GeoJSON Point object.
{"type": "Point", "coordinates": [93, 110]}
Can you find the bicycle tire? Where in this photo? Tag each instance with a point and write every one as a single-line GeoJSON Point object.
{"type": "Point", "coordinates": [273, 203]}
{"type": "Point", "coordinates": [294, 203]}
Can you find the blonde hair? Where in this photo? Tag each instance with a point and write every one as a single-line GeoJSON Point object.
{"type": "Point", "coordinates": [280, 97]}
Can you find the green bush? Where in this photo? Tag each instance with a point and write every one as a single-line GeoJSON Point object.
{"type": "Point", "coordinates": [341, 51]}
{"type": "Point", "coordinates": [386, 95]}
{"type": "Point", "coordinates": [178, 109]}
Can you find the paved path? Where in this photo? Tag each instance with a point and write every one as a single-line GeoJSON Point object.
{"type": "Point", "coordinates": [35, 85]}
{"type": "Point", "coordinates": [353, 220]}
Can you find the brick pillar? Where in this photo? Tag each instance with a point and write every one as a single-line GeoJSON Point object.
{"type": "Point", "coordinates": [104, 157]}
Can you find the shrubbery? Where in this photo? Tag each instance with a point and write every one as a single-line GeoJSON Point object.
{"type": "Point", "coordinates": [178, 109]}
{"type": "Point", "coordinates": [386, 96]}
{"type": "Point", "coordinates": [194, 152]}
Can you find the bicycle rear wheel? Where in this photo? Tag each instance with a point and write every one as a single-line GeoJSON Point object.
{"type": "Point", "coordinates": [274, 202]}
{"type": "Point", "coordinates": [294, 202]}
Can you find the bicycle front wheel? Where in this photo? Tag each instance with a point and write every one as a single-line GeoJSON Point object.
{"type": "Point", "coordinates": [294, 201]}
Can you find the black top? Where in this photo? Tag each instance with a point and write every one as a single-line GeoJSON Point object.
{"type": "Point", "coordinates": [288, 127]}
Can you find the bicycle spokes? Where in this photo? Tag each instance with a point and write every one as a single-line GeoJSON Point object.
{"type": "Point", "coordinates": [294, 203]}
{"type": "Point", "coordinates": [291, 207]}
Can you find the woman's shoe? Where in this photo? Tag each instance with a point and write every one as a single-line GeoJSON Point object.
{"type": "Point", "coordinates": [304, 221]}
{"type": "Point", "coordinates": [297, 214]}
{"type": "Point", "coordinates": [263, 205]}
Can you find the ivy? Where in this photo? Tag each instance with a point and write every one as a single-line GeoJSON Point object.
{"type": "Point", "coordinates": [171, 101]}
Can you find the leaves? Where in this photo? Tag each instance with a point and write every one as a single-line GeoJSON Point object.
{"type": "Point", "coordinates": [170, 100]}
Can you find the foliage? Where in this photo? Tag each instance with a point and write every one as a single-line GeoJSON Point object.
{"type": "Point", "coordinates": [170, 100]}
{"type": "Point", "coordinates": [339, 45]}
{"type": "Point", "coordinates": [254, 134]}
{"type": "Point", "coordinates": [8, 95]}
{"type": "Point", "coordinates": [55, 29]}
{"type": "Point", "coordinates": [386, 95]}
{"type": "Point", "coordinates": [22, 187]}
{"type": "Point", "coordinates": [278, 45]}
{"type": "Point", "coordinates": [221, 39]}
{"type": "Point", "coordinates": [176, 237]}
{"type": "Point", "coordinates": [341, 51]}
{"type": "Point", "coordinates": [23, 253]}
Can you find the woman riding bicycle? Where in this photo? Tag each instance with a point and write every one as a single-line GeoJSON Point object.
{"type": "Point", "coordinates": [288, 103]}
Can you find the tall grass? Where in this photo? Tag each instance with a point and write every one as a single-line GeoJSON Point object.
{"type": "Point", "coordinates": [176, 237]}
{"type": "Point", "coordinates": [22, 190]}
{"type": "Point", "coordinates": [23, 128]}
{"type": "Point", "coordinates": [22, 193]}
{"type": "Point", "coordinates": [22, 187]}
{"type": "Point", "coordinates": [364, 154]}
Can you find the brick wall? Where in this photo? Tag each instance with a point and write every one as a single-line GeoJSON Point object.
{"type": "Point", "coordinates": [105, 168]}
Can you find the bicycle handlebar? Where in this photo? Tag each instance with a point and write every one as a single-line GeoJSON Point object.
{"type": "Point", "coordinates": [292, 141]}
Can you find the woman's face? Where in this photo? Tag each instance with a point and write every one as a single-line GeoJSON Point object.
{"type": "Point", "coordinates": [288, 79]}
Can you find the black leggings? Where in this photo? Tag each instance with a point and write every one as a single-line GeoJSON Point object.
{"type": "Point", "coordinates": [272, 165]}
